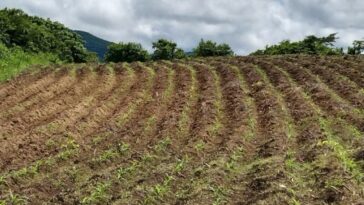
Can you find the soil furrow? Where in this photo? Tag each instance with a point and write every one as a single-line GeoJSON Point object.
{"type": "Point", "coordinates": [55, 118]}
{"type": "Point", "coordinates": [345, 89]}
{"type": "Point", "coordinates": [65, 82]}
{"type": "Point", "coordinates": [88, 151]}
{"type": "Point", "coordinates": [348, 69]}
{"type": "Point", "coordinates": [219, 130]}
{"type": "Point", "coordinates": [306, 150]}
{"type": "Point", "coordinates": [322, 95]}
{"type": "Point", "coordinates": [98, 116]}
{"type": "Point", "coordinates": [216, 172]}
{"type": "Point", "coordinates": [277, 132]}
{"type": "Point", "coordinates": [23, 81]}
{"type": "Point", "coordinates": [30, 91]}
{"type": "Point", "coordinates": [133, 131]}
{"type": "Point", "coordinates": [28, 142]}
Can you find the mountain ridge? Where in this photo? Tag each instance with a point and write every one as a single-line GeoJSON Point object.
{"type": "Point", "coordinates": [94, 43]}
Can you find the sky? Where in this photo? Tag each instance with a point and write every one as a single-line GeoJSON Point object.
{"type": "Point", "coordinates": [246, 25]}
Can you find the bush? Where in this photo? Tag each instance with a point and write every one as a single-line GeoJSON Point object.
{"type": "Point", "coordinates": [126, 52]}
{"type": "Point", "coordinates": [210, 48]}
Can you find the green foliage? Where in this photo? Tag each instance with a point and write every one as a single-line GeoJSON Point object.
{"type": "Point", "coordinates": [37, 35]}
{"type": "Point", "coordinates": [15, 60]}
{"type": "Point", "coordinates": [309, 45]}
{"type": "Point", "coordinates": [126, 52]}
{"type": "Point", "coordinates": [358, 48]}
{"type": "Point", "coordinates": [210, 48]}
{"type": "Point", "coordinates": [166, 50]}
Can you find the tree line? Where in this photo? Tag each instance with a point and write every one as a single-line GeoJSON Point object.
{"type": "Point", "coordinates": [312, 45]}
{"type": "Point", "coordinates": [36, 35]}
{"type": "Point", "coordinates": [164, 50]}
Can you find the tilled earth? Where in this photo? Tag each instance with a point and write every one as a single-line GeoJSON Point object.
{"type": "Point", "coordinates": [237, 130]}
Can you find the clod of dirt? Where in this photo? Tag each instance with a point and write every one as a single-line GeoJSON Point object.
{"type": "Point", "coordinates": [359, 155]}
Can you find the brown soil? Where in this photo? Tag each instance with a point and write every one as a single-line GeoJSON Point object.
{"type": "Point", "coordinates": [239, 130]}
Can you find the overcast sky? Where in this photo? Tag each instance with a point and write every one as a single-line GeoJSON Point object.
{"type": "Point", "coordinates": [246, 25]}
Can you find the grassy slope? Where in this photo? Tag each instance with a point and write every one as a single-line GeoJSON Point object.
{"type": "Point", "coordinates": [14, 61]}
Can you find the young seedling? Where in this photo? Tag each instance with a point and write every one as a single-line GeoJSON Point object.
{"type": "Point", "coordinates": [99, 195]}
{"type": "Point", "coordinates": [107, 155]}
{"type": "Point", "coordinates": [200, 146]}
{"type": "Point", "coordinates": [123, 148]}
{"type": "Point", "coordinates": [162, 144]}
{"type": "Point", "coordinates": [122, 172]}
{"type": "Point", "coordinates": [219, 194]}
{"type": "Point", "coordinates": [180, 164]}
{"type": "Point", "coordinates": [15, 199]}
{"type": "Point", "coordinates": [159, 190]}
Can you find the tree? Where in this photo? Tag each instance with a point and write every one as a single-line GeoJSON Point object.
{"type": "Point", "coordinates": [210, 48]}
{"type": "Point", "coordinates": [126, 52]}
{"type": "Point", "coordinates": [312, 45]}
{"type": "Point", "coordinates": [166, 50]}
{"type": "Point", "coordinates": [358, 47]}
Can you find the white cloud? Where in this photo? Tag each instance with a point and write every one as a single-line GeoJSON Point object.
{"type": "Point", "coordinates": [245, 25]}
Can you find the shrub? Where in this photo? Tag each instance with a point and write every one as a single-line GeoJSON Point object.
{"type": "Point", "coordinates": [210, 48]}
{"type": "Point", "coordinates": [126, 52]}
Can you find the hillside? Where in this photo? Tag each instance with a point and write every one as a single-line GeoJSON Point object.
{"type": "Point", "coordinates": [94, 44]}
{"type": "Point", "coordinates": [233, 130]}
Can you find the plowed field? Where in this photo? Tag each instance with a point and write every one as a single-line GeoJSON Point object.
{"type": "Point", "coordinates": [240, 130]}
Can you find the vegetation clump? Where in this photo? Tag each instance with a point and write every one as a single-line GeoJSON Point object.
{"type": "Point", "coordinates": [312, 45]}
{"type": "Point", "coordinates": [210, 48]}
{"type": "Point", "coordinates": [126, 52]}
{"type": "Point", "coordinates": [167, 50]}
{"type": "Point", "coordinates": [37, 35]}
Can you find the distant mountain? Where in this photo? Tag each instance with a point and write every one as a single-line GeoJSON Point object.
{"type": "Point", "coordinates": [94, 44]}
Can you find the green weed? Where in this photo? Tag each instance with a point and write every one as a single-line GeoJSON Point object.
{"type": "Point", "coordinates": [107, 155]}
{"type": "Point", "coordinates": [159, 190]}
{"type": "Point", "coordinates": [219, 194]}
{"type": "Point", "coordinates": [123, 148]}
{"type": "Point", "coordinates": [200, 146]}
{"type": "Point", "coordinates": [122, 172]}
{"type": "Point", "coordinates": [180, 164]}
{"type": "Point", "coordinates": [162, 144]}
{"type": "Point", "coordinates": [14, 61]}
{"type": "Point", "coordinates": [99, 195]}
